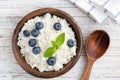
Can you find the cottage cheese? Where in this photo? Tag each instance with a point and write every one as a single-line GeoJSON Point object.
{"type": "Point", "coordinates": [47, 34]}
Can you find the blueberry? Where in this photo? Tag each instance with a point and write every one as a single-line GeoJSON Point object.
{"type": "Point", "coordinates": [51, 61]}
{"type": "Point", "coordinates": [57, 26]}
{"type": "Point", "coordinates": [26, 33]}
{"type": "Point", "coordinates": [36, 50]}
{"type": "Point", "coordinates": [34, 32]}
{"type": "Point", "coordinates": [32, 42]}
{"type": "Point", "coordinates": [39, 25]}
{"type": "Point", "coordinates": [70, 43]}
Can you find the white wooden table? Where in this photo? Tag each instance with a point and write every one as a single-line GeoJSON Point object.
{"type": "Point", "coordinates": [11, 11]}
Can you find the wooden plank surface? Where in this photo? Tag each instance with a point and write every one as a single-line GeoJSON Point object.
{"type": "Point", "coordinates": [11, 11]}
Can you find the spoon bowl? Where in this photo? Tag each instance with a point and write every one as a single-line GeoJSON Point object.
{"type": "Point", "coordinates": [96, 46]}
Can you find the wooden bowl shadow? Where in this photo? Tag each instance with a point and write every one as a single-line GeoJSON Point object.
{"type": "Point", "coordinates": [21, 60]}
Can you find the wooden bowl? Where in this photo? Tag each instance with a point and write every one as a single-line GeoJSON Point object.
{"type": "Point", "coordinates": [21, 60]}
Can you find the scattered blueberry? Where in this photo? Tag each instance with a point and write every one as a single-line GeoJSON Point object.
{"type": "Point", "coordinates": [26, 33]}
{"type": "Point", "coordinates": [57, 26]}
{"type": "Point", "coordinates": [51, 61]}
{"type": "Point", "coordinates": [34, 32]}
{"type": "Point", "coordinates": [32, 42]}
{"type": "Point", "coordinates": [70, 43]}
{"type": "Point", "coordinates": [39, 25]}
{"type": "Point", "coordinates": [36, 50]}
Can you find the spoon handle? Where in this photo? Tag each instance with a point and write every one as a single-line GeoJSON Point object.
{"type": "Point", "coordinates": [87, 71]}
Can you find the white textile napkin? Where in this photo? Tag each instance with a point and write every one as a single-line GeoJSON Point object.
{"type": "Point", "coordinates": [100, 9]}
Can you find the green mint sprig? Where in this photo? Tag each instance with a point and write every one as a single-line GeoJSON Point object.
{"type": "Point", "coordinates": [55, 45]}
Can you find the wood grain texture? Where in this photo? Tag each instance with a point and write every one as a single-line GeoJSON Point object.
{"type": "Point", "coordinates": [11, 11]}
{"type": "Point", "coordinates": [96, 45]}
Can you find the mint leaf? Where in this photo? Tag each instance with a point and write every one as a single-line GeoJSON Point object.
{"type": "Point", "coordinates": [55, 45]}
{"type": "Point", "coordinates": [60, 39]}
{"type": "Point", "coordinates": [50, 51]}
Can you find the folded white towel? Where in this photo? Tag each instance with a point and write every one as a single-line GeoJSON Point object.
{"type": "Point", "coordinates": [110, 7]}
{"type": "Point", "coordinates": [96, 13]}
{"type": "Point", "coordinates": [118, 19]}
{"type": "Point", "coordinates": [100, 9]}
{"type": "Point", "coordinates": [84, 5]}
{"type": "Point", "coordinates": [99, 2]}
{"type": "Point", "coordinates": [113, 6]}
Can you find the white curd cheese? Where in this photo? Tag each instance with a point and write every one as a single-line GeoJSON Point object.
{"type": "Point", "coordinates": [47, 34]}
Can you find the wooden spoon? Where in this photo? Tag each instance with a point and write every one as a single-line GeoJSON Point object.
{"type": "Point", "coordinates": [96, 45]}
